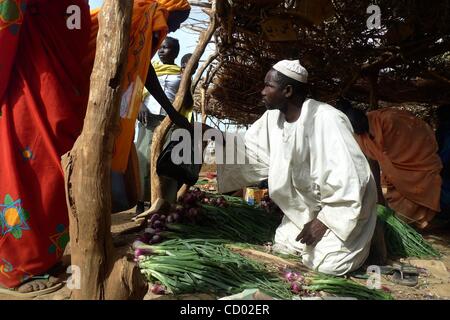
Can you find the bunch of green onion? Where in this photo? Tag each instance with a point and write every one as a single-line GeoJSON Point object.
{"type": "Point", "coordinates": [401, 239]}
{"type": "Point", "coordinates": [196, 265]}
{"type": "Point", "coordinates": [237, 222]}
{"type": "Point", "coordinates": [208, 266]}
{"type": "Point", "coordinates": [346, 288]}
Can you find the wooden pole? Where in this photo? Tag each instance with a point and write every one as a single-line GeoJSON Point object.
{"type": "Point", "coordinates": [185, 87]}
{"type": "Point", "coordinates": [202, 69]}
{"type": "Point", "coordinates": [196, 3]}
{"type": "Point", "coordinates": [87, 169]}
{"type": "Point", "coordinates": [203, 103]}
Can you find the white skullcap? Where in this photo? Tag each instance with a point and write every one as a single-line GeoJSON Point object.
{"type": "Point", "coordinates": [292, 69]}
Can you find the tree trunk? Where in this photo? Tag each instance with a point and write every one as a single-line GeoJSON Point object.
{"type": "Point", "coordinates": [185, 86]}
{"type": "Point", "coordinates": [87, 169]}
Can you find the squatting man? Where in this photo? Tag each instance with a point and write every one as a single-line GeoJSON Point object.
{"type": "Point", "coordinates": [316, 172]}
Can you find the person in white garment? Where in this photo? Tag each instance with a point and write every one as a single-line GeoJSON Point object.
{"type": "Point", "coordinates": [316, 172]}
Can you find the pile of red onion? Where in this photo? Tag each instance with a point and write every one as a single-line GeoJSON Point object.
{"type": "Point", "coordinates": [187, 211]}
{"type": "Point", "coordinates": [297, 282]}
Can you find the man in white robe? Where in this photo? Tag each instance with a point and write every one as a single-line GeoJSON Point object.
{"type": "Point", "coordinates": [316, 173]}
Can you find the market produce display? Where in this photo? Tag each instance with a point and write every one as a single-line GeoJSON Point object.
{"type": "Point", "coordinates": [198, 265]}
{"type": "Point", "coordinates": [189, 250]}
{"type": "Point", "coordinates": [208, 216]}
{"type": "Point", "coordinates": [345, 288]}
{"type": "Point", "coordinates": [401, 239]}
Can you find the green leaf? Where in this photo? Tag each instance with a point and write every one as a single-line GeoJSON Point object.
{"type": "Point", "coordinates": [63, 240]}
{"type": "Point", "coordinates": [9, 11]}
{"type": "Point", "coordinates": [8, 199]}
{"type": "Point", "coordinates": [17, 233]}
{"type": "Point", "coordinates": [26, 214]}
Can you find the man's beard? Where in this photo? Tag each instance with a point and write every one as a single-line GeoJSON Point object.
{"type": "Point", "coordinates": [270, 106]}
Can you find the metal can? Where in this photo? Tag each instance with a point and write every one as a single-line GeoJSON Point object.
{"type": "Point", "coordinates": [251, 195]}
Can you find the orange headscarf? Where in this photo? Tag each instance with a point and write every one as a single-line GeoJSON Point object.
{"type": "Point", "coordinates": [175, 5]}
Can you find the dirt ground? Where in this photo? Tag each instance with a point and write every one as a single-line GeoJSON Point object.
{"type": "Point", "coordinates": [435, 284]}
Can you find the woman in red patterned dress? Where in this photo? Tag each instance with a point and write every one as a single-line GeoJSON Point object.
{"type": "Point", "coordinates": [43, 96]}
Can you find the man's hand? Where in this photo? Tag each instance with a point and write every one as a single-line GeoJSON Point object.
{"type": "Point", "coordinates": [143, 115]}
{"type": "Point", "coordinates": [312, 232]}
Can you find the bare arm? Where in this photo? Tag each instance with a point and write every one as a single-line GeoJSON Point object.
{"type": "Point", "coordinates": [375, 168]}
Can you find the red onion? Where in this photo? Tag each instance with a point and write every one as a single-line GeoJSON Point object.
{"type": "Point", "coordinates": [295, 287]}
{"type": "Point", "coordinates": [192, 213]}
{"type": "Point", "coordinates": [156, 238]}
{"type": "Point", "coordinates": [145, 238]}
{"type": "Point", "coordinates": [189, 199]}
{"type": "Point", "coordinates": [158, 289]}
{"type": "Point", "coordinates": [154, 217]}
{"type": "Point", "coordinates": [222, 205]}
{"type": "Point", "coordinates": [157, 224]}
{"type": "Point", "coordinates": [142, 252]}
{"type": "Point", "coordinates": [293, 276]}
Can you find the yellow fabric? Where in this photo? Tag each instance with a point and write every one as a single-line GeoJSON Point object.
{"type": "Point", "coordinates": [169, 69]}
{"type": "Point", "coordinates": [162, 69]}
{"type": "Point", "coordinates": [186, 111]}
{"type": "Point", "coordinates": [175, 5]}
